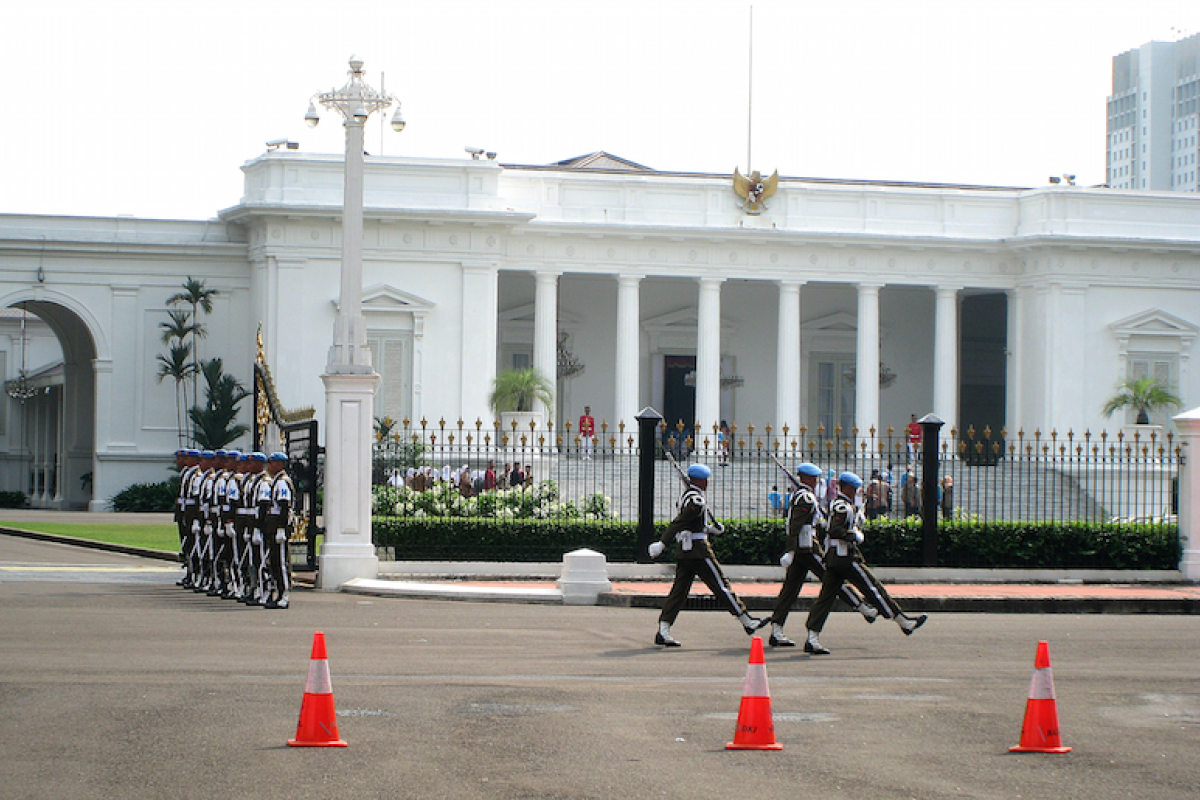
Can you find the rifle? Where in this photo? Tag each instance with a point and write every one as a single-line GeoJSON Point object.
{"type": "Point", "coordinates": [687, 482]}
{"type": "Point", "coordinates": [791, 478]}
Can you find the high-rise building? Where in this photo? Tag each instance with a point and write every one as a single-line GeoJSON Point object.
{"type": "Point", "coordinates": [1154, 117]}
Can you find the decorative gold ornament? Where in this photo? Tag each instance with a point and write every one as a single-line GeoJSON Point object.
{"type": "Point", "coordinates": [754, 190]}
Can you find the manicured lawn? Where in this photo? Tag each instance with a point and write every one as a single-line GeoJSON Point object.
{"type": "Point", "coordinates": [154, 537]}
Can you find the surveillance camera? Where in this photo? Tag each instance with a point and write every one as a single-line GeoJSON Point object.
{"type": "Point", "coordinates": [491, 156]}
{"type": "Point", "coordinates": [475, 152]}
{"type": "Point", "coordinates": [1056, 180]}
{"type": "Point", "coordinates": [277, 143]}
{"type": "Point", "coordinates": [1069, 177]}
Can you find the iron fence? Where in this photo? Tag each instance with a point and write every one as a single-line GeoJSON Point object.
{"type": "Point", "coordinates": [984, 475]}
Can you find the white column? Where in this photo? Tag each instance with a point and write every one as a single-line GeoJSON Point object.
{"type": "Point", "coordinates": [945, 357]}
{"type": "Point", "coordinates": [545, 333]}
{"type": "Point", "coordinates": [350, 352]}
{"type": "Point", "coordinates": [628, 370]}
{"type": "Point", "coordinates": [708, 358]}
{"type": "Point", "coordinates": [1188, 425]}
{"type": "Point", "coordinates": [480, 302]}
{"type": "Point", "coordinates": [787, 368]}
{"type": "Point", "coordinates": [866, 385]}
{"type": "Point", "coordinates": [1014, 412]}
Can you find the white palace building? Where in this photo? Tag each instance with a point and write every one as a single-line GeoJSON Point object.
{"type": "Point", "coordinates": [1006, 307]}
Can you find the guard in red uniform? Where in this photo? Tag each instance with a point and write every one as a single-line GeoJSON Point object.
{"type": "Point", "coordinates": [587, 433]}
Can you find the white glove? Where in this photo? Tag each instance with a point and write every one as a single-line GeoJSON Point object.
{"type": "Point", "coordinates": [858, 537]}
{"type": "Point", "coordinates": [656, 549]}
{"type": "Point", "coordinates": [786, 560]}
{"type": "Point", "coordinates": [195, 526]}
{"type": "Point", "coordinates": [229, 530]}
{"type": "Point", "coordinates": [256, 537]}
{"type": "Point", "coordinates": [280, 536]}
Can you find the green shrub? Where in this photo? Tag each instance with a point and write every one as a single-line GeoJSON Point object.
{"type": "Point", "coordinates": [889, 543]}
{"type": "Point", "coordinates": [13, 500]}
{"type": "Point", "coordinates": [144, 497]}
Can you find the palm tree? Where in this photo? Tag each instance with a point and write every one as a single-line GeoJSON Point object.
{"type": "Point", "coordinates": [178, 366]}
{"type": "Point", "coordinates": [194, 294]}
{"type": "Point", "coordinates": [516, 390]}
{"type": "Point", "coordinates": [214, 424]}
{"type": "Point", "coordinates": [1144, 395]}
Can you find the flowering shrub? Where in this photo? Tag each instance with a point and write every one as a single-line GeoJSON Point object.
{"type": "Point", "coordinates": [540, 502]}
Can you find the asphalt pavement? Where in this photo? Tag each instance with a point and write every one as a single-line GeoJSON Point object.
{"type": "Point", "coordinates": [116, 683]}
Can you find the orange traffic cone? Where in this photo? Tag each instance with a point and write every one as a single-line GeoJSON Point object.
{"type": "Point", "coordinates": [755, 727]}
{"type": "Point", "coordinates": [318, 720]}
{"type": "Point", "coordinates": [1039, 734]}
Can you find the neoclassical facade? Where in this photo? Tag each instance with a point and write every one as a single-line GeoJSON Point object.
{"type": "Point", "coordinates": [1010, 308]}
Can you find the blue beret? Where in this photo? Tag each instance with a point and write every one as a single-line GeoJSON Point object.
{"type": "Point", "coordinates": [234, 454]}
{"type": "Point", "coordinates": [277, 456]}
{"type": "Point", "coordinates": [243, 457]}
{"type": "Point", "coordinates": [180, 452]}
{"type": "Point", "coordinates": [256, 456]}
{"type": "Point", "coordinates": [207, 454]}
{"type": "Point", "coordinates": [699, 471]}
{"type": "Point", "coordinates": [811, 470]}
{"type": "Point", "coordinates": [222, 453]}
{"type": "Point", "coordinates": [850, 479]}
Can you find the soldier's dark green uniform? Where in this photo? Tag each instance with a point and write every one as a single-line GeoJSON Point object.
{"type": "Point", "coordinates": [844, 564]}
{"type": "Point", "coordinates": [804, 554]}
{"type": "Point", "coordinates": [694, 556]}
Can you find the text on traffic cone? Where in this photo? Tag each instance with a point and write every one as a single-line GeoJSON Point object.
{"type": "Point", "coordinates": [318, 719]}
{"type": "Point", "coordinates": [1039, 734]}
{"type": "Point", "coordinates": [755, 727]}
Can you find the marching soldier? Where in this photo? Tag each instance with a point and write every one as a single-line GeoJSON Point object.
{"type": "Point", "coordinates": [231, 513]}
{"type": "Point", "coordinates": [209, 511]}
{"type": "Point", "coordinates": [694, 557]}
{"type": "Point", "coordinates": [844, 563]}
{"type": "Point", "coordinates": [275, 502]}
{"type": "Point", "coordinates": [804, 555]}
{"type": "Point", "coordinates": [197, 511]}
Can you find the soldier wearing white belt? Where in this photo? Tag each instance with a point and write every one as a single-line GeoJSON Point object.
{"type": "Point", "coordinates": [689, 531]}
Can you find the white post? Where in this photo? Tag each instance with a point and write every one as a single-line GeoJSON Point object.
{"type": "Point", "coordinates": [866, 385]}
{"type": "Point", "coordinates": [629, 365]}
{"type": "Point", "coordinates": [1188, 425]}
{"type": "Point", "coordinates": [945, 357]}
{"type": "Point", "coordinates": [545, 336]}
{"type": "Point", "coordinates": [787, 367]}
{"type": "Point", "coordinates": [708, 359]}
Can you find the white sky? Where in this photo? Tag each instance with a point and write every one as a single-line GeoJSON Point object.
{"type": "Point", "coordinates": [149, 107]}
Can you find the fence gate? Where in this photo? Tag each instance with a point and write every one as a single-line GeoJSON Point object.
{"type": "Point", "coordinates": [295, 433]}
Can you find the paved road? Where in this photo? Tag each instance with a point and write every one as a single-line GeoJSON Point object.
{"type": "Point", "coordinates": [130, 687]}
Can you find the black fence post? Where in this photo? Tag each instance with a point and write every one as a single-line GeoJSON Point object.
{"type": "Point", "coordinates": [930, 426]}
{"type": "Point", "coordinates": [648, 421]}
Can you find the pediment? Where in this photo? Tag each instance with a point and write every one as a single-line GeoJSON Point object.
{"type": "Point", "coordinates": [685, 319]}
{"type": "Point", "coordinates": [1154, 322]}
{"type": "Point", "coordinates": [840, 322]}
{"type": "Point", "coordinates": [384, 299]}
{"type": "Point", "coordinates": [523, 315]}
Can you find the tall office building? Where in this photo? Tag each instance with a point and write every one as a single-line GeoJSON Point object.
{"type": "Point", "coordinates": [1153, 132]}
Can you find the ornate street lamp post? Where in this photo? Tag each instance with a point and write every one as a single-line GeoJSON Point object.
{"type": "Point", "coordinates": [349, 378]}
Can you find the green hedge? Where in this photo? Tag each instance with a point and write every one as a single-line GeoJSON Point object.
{"type": "Point", "coordinates": [142, 497]}
{"type": "Point", "coordinates": [888, 543]}
{"type": "Point", "coordinates": [13, 500]}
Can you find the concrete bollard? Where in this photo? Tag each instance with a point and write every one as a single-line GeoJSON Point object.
{"type": "Point", "coordinates": [584, 577]}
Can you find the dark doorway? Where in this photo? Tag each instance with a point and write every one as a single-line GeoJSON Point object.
{"type": "Point", "coordinates": [983, 371]}
{"type": "Point", "coordinates": [679, 395]}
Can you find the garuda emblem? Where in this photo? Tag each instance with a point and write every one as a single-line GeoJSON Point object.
{"type": "Point", "coordinates": [754, 190]}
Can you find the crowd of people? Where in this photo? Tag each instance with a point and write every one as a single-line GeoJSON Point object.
{"type": "Point", "coordinates": [466, 481]}
{"type": "Point", "coordinates": [234, 515]}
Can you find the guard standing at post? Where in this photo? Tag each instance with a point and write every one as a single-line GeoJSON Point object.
{"type": "Point", "coordinates": [186, 459]}
{"type": "Point", "coordinates": [252, 581]}
{"type": "Point", "coordinates": [276, 505]}
{"type": "Point", "coordinates": [804, 555]}
{"type": "Point", "coordinates": [689, 531]}
{"type": "Point", "coordinates": [232, 520]}
{"type": "Point", "coordinates": [844, 563]}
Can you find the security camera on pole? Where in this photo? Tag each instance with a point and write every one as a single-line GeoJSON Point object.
{"type": "Point", "coordinates": [349, 378]}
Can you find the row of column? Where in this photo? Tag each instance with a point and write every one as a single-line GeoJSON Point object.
{"type": "Point", "coordinates": [708, 349]}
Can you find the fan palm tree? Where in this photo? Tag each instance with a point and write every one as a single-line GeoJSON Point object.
{"type": "Point", "coordinates": [198, 296]}
{"type": "Point", "coordinates": [1143, 395]}
{"type": "Point", "coordinates": [178, 366]}
{"type": "Point", "coordinates": [518, 389]}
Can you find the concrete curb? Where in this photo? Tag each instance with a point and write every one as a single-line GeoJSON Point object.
{"type": "Point", "coordinates": [144, 552]}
